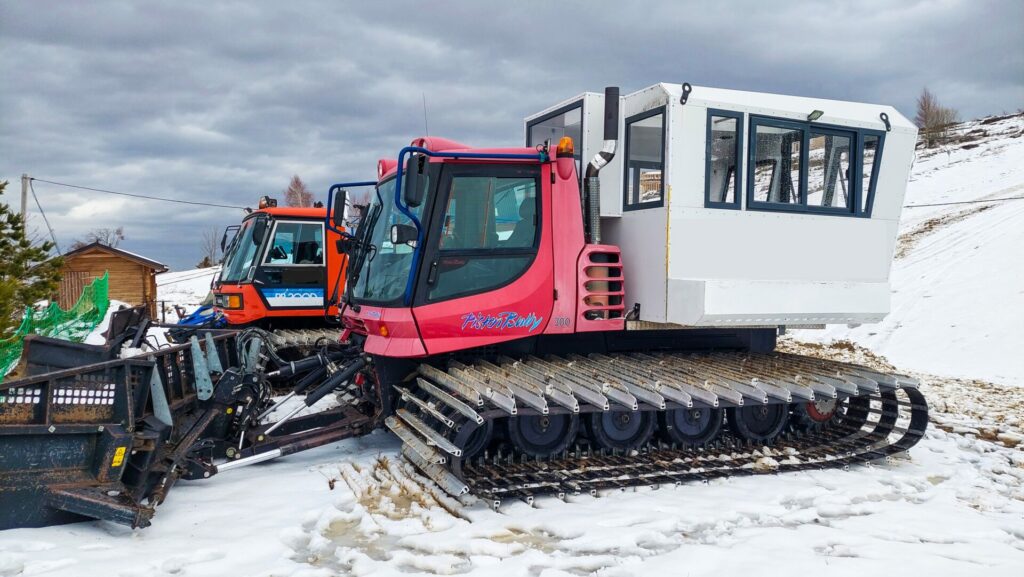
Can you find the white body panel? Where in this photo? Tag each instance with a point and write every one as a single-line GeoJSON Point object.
{"type": "Point", "coordinates": [693, 265]}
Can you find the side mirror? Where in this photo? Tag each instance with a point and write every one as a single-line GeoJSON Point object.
{"type": "Point", "coordinates": [259, 229]}
{"type": "Point", "coordinates": [413, 194]}
{"type": "Point", "coordinates": [224, 240]}
{"type": "Point", "coordinates": [338, 210]}
{"type": "Point", "coordinates": [403, 234]}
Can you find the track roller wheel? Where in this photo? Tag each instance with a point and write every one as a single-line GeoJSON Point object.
{"type": "Point", "coordinates": [543, 435]}
{"type": "Point", "coordinates": [814, 415]}
{"type": "Point", "coordinates": [691, 427]}
{"type": "Point", "coordinates": [758, 423]}
{"type": "Point", "coordinates": [620, 430]}
{"type": "Point", "coordinates": [473, 438]}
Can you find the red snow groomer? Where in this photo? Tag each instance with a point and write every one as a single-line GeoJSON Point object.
{"type": "Point", "coordinates": [526, 329]}
{"type": "Point", "coordinates": [524, 334]}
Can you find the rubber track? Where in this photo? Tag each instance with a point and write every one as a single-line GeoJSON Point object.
{"type": "Point", "coordinates": [887, 416]}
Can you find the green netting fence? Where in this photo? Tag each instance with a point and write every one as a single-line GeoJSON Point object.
{"type": "Point", "coordinates": [73, 324]}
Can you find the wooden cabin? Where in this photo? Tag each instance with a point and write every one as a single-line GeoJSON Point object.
{"type": "Point", "coordinates": [132, 277]}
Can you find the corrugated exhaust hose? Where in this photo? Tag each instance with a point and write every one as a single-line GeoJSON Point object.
{"type": "Point", "coordinates": [591, 183]}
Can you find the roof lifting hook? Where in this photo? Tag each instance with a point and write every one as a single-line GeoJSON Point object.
{"type": "Point", "coordinates": [885, 120]}
{"type": "Point", "coordinates": [687, 89]}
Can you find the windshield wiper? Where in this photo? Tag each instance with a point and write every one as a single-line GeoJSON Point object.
{"type": "Point", "coordinates": [361, 249]}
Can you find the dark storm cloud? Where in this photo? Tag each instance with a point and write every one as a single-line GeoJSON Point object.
{"type": "Point", "coordinates": [223, 102]}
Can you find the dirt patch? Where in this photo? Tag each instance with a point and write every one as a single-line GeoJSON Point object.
{"type": "Point", "coordinates": [970, 407]}
{"type": "Point", "coordinates": [908, 240]}
{"type": "Point", "coordinates": [841, 350]}
{"type": "Point", "coordinates": [392, 490]}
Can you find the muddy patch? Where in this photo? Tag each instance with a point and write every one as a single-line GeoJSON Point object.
{"type": "Point", "coordinates": [908, 240]}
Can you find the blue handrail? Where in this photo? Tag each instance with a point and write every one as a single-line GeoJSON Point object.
{"type": "Point", "coordinates": [404, 209]}
{"type": "Point", "coordinates": [328, 221]}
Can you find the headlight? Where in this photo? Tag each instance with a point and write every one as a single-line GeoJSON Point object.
{"type": "Point", "coordinates": [228, 301]}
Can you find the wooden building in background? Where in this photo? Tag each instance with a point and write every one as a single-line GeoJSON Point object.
{"type": "Point", "coordinates": [132, 277]}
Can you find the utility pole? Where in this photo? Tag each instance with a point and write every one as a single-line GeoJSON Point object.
{"type": "Point", "coordinates": [24, 197]}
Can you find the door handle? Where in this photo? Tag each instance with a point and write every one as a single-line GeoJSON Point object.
{"type": "Point", "coordinates": [432, 275]}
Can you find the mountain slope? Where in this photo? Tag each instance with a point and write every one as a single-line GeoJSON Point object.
{"type": "Point", "coordinates": [958, 276]}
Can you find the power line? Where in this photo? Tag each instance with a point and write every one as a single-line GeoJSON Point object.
{"type": "Point", "coordinates": [134, 195]}
{"type": "Point", "coordinates": [46, 220]}
{"type": "Point", "coordinates": [965, 202]}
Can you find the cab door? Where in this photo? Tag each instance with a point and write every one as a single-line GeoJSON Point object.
{"type": "Point", "coordinates": [487, 275]}
{"type": "Point", "coordinates": [291, 272]}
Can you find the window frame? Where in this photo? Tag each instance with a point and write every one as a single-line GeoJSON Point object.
{"type": "Point", "coordinates": [433, 252]}
{"type": "Point", "coordinates": [626, 205]}
{"type": "Point", "coordinates": [825, 130]}
{"type": "Point", "coordinates": [856, 166]}
{"type": "Point", "coordinates": [577, 153]}
{"type": "Point", "coordinates": [273, 233]}
{"type": "Point", "coordinates": [873, 179]}
{"type": "Point", "coordinates": [738, 176]}
{"type": "Point", "coordinates": [558, 112]}
{"type": "Point", "coordinates": [800, 204]}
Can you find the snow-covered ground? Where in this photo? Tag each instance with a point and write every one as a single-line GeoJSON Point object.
{"type": "Point", "coordinates": [187, 289]}
{"type": "Point", "coordinates": [953, 506]}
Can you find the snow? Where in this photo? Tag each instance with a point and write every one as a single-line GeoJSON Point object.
{"type": "Point", "coordinates": [187, 289]}
{"type": "Point", "coordinates": [958, 279]}
{"type": "Point", "coordinates": [953, 506]}
{"type": "Point", "coordinates": [96, 337]}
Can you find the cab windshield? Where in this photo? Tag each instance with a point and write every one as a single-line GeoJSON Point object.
{"type": "Point", "coordinates": [385, 266]}
{"type": "Point", "coordinates": [240, 255]}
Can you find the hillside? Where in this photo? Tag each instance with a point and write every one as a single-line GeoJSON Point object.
{"type": "Point", "coordinates": [958, 274]}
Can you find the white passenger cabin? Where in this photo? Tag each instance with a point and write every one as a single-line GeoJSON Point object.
{"type": "Point", "coordinates": [745, 209]}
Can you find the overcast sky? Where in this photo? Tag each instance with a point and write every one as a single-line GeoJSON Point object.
{"type": "Point", "coordinates": [225, 101]}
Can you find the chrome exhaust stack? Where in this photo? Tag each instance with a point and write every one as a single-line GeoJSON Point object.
{"type": "Point", "coordinates": [591, 183]}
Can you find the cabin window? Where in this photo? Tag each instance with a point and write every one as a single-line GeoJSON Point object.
{"type": "Point", "coordinates": [723, 151]}
{"type": "Point", "coordinates": [566, 121]}
{"type": "Point", "coordinates": [645, 160]}
{"type": "Point", "coordinates": [777, 163]}
{"type": "Point", "coordinates": [488, 232]}
{"type": "Point", "coordinates": [828, 170]}
{"type": "Point", "coordinates": [296, 243]}
{"type": "Point", "coordinates": [808, 167]}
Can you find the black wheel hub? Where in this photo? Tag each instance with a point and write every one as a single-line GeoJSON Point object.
{"type": "Point", "coordinates": [759, 423]}
{"type": "Point", "coordinates": [620, 430]}
{"type": "Point", "coordinates": [542, 435]}
{"type": "Point", "coordinates": [620, 426]}
{"type": "Point", "coordinates": [692, 427]}
{"type": "Point", "coordinates": [473, 438]}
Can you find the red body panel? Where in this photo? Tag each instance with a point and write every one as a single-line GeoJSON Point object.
{"type": "Point", "coordinates": [389, 331]}
{"type": "Point", "coordinates": [561, 292]}
{"type": "Point", "coordinates": [601, 289]}
{"type": "Point", "coordinates": [567, 236]}
{"type": "Point", "coordinates": [519, 309]}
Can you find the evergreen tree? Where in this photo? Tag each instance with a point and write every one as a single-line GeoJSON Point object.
{"type": "Point", "coordinates": [28, 273]}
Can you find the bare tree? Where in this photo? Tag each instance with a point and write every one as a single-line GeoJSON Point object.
{"type": "Point", "coordinates": [933, 119]}
{"type": "Point", "coordinates": [297, 194]}
{"type": "Point", "coordinates": [358, 201]}
{"type": "Point", "coordinates": [108, 236]}
{"type": "Point", "coordinates": [210, 245]}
